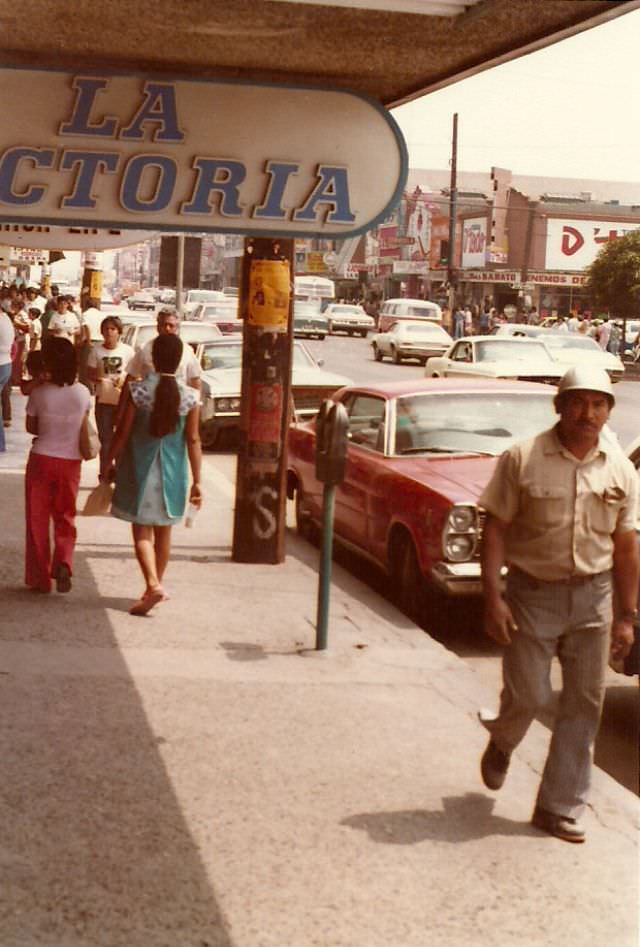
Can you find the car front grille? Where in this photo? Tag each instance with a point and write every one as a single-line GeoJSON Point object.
{"type": "Point", "coordinates": [541, 379]}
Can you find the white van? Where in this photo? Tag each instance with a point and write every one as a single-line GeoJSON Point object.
{"type": "Point", "coordinates": [393, 310]}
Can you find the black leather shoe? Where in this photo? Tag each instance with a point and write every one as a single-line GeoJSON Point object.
{"type": "Point", "coordinates": [494, 765]}
{"type": "Point", "coordinates": [561, 826]}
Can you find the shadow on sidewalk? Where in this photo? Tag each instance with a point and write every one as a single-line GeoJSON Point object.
{"type": "Point", "coordinates": [461, 819]}
{"type": "Point", "coordinates": [95, 846]}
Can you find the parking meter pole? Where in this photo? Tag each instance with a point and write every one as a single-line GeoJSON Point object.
{"type": "Point", "coordinates": [324, 581]}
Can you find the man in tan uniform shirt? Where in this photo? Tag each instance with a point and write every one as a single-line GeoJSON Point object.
{"type": "Point", "coordinates": [561, 513]}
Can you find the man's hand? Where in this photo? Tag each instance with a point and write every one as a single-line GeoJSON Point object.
{"type": "Point", "coordinates": [499, 623]}
{"type": "Point", "coordinates": [621, 639]}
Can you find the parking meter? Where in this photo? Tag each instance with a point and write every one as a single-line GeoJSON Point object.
{"type": "Point", "coordinates": [332, 428]}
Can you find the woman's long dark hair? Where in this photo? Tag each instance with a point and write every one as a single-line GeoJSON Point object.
{"type": "Point", "coordinates": [166, 354]}
{"type": "Point", "coordinates": [60, 360]}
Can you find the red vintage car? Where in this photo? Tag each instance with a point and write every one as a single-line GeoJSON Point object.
{"type": "Point", "coordinates": [419, 455]}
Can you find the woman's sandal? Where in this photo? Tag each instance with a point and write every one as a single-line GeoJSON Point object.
{"type": "Point", "coordinates": [150, 598]}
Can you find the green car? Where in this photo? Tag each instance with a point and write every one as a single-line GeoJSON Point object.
{"type": "Point", "coordinates": [308, 321]}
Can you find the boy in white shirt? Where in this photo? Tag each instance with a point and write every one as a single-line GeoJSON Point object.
{"type": "Point", "coordinates": [106, 369]}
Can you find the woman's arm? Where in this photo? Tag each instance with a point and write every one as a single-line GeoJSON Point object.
{"type": "Point", "coordinates": [31, 422]}
{"type": "Point", "coordinates": [194, 450]}
{"type": "Point", "coordinates": [123, 430]}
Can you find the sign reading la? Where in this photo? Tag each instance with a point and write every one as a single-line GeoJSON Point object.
{"type": "Point", "coordinates": [199, 156]}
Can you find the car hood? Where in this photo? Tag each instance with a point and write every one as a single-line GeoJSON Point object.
{"type": "Point", "coordinates": [578, 357]}
{"type": "Point", "coordinates": [461, 478]}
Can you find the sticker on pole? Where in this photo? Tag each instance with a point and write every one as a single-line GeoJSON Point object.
{"type": "Point", "coordinates": [269, 294]}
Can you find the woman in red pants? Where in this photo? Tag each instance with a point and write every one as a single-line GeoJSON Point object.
{"type": "Point", "coordinates": [56, 411]}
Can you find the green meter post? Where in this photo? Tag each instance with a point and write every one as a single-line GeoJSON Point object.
{"type": "Point", "coordinates": [332, 427]}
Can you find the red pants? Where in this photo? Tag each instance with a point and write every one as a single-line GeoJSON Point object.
{"type": "Point", "coordinates": [51, 488]}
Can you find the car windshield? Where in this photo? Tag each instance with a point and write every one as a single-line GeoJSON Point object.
{"type": "Point", "coordinates": [346, 310]}
{"type": "Point", "coordinates": [203, 295]}
{"type": "Point", "coordinates": [306, 310]}
{"type": "Point", "coordinates": [478, 423]}
{"type": "Point", "coordinates": [422, 312]}
{"type": "Point", "coordinates": [498, 350]}
{"type": "Point", "coordinates": [229, 355]}
{"type": "Point", "coordinates": [216, 356]}
{"type": "Point", "coordinates": [227, 309]}
{"type": "Point", "coordinates": [572, 342]}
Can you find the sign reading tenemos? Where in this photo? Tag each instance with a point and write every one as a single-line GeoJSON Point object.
{"type": "Point", "coordinates": [174, 154]}
{"type": "Point", "coordinates": [574, 244]}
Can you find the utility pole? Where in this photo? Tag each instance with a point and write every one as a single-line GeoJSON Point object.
{"type": "Point", "coordinates": [453, 210]}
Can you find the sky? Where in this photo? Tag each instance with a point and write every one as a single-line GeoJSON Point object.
{"type": "Point", "coordinates": [570, 110]}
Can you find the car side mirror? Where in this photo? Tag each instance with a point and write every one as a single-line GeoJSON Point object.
{"type": "Point", "coordinates": [320, 362]}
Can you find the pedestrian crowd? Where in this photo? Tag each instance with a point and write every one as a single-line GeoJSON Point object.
{"type": "Point", "coordinates": [481, 320]}
{"type": "Point", "coordinates": [71, 364]}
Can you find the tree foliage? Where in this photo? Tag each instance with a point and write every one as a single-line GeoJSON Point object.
{"type": "Point", "coordinates": [613, 279]}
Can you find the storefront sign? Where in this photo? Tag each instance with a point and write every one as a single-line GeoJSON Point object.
{"type": "Point", "coordinates": [410, 268]}
{"type": "Point", "coordinates": [491, 276]}
{"type": "Point", "coordinates": [117, 151]}
{"type": "Point", "coordinates": [574, 244]}
{"type": "Point", "coordinates": [474, 241]}
{"type": "Point", "coordinates": [557, 279]}
{"type": "Point", "coordinates": [39, 237]}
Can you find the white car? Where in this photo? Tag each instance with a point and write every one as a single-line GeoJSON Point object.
{"type": "Point", "coordinates": [221, 384]}
{"type": "Point", "coordinates": [403, 340]}
{"type": "Point", "coordinates": [196, 296]}
{"type": "Point", "coordinates": [138, 333]}
{"type": "Point", "coordinates": [224, 313]}
{"type": "Point", "coordinates": [349, 318]}
{"type": "Point", "coordinates": [572, 348]}
{"type": "Point", "coordinates": [141, 300]}
{"type": "Point", "coordinates": [490, 356]}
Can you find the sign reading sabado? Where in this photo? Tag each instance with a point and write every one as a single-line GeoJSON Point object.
{"type": "Point", "coordinates": [195, 156]}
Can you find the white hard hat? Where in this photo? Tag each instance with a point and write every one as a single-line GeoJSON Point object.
{"type": "Point", "coordinates": [586, 378]}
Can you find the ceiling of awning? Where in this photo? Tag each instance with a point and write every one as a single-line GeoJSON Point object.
{"type": "Point", "coordinates": [392, 51]}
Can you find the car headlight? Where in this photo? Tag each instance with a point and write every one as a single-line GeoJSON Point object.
{"type": "Point", "coordinates": [462, 518]}
{"type": "Point", "coordinates": [461, 533]}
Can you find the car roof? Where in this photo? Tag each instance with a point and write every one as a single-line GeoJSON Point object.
{"type": "Point", "coordinates": [411, 301]}
{"type": "Point", "coordinates": [420, 386]}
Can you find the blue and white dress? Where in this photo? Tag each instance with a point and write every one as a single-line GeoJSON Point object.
{"type": "Point", "coordinates": [152, 474]}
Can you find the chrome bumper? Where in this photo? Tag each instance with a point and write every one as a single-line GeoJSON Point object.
{"type": "Point", "coordinates": [460, 578]}
{"type": "Point", "coordinates": [457, 578]}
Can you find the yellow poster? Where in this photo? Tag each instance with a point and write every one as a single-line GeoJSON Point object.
{"type": "Point", "coordinates": [269, 290]}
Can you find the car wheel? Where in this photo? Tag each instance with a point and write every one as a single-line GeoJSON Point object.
{"type": "Point", "coordinates": [377, 354]}
{"type": "Point", "coordinates": [304, 524]}
{"type": "Point", "coordinates": [363, 333]}
{"type": "Point", "coordinates": [209, 437]}
{"type": "Point", "coordinates": [410, 582]}
{"type": "Point", "coordinates": [395, 357]}
{"type": "Point", "coordinates": [321, 338]}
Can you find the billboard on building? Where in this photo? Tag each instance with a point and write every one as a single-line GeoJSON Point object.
{"type": "Point", "coordinates": [474, 242]}
{"type": "Point", "coordinates": [574, 244]}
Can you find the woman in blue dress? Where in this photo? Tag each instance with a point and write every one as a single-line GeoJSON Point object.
{"type": "Point", "coordinates": [157, 432]}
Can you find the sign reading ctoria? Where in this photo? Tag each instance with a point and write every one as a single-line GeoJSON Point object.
{"type": "Point", "coordinates": [195, 156]}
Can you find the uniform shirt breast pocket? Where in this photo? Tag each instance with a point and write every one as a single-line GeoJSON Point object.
{"type": "Point", "coordinates": [544, 506]}
{"type": "Point", "coordinates": [603, 510]}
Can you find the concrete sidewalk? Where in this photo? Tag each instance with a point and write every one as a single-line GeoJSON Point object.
{"type": "Point", "coordinates": [203, 777]}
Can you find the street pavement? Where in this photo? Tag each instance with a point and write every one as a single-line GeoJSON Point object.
{"type": "Point", "coordinates": [202, 777]}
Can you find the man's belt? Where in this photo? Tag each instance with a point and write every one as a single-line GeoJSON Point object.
{"type": "Point", "coordinates": [571, 580]}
